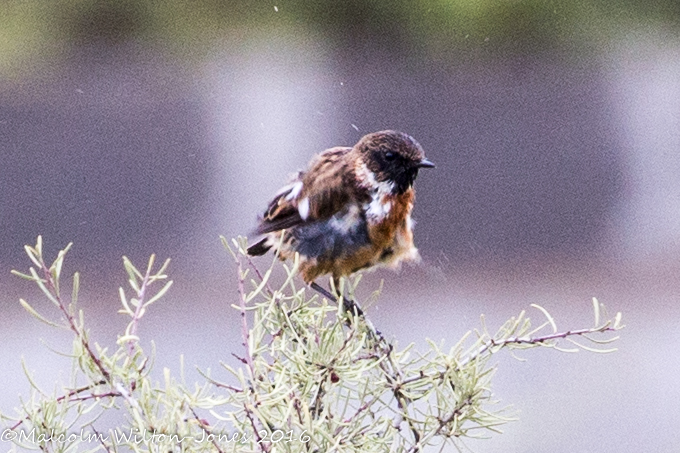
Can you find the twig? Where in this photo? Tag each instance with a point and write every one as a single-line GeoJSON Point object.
{"type": "Point", "coordinates": [248, 356]}
{"type": "Point", "coordinates": [443, 422]}
{"type": "Point", "coordinates": [138, 310]}
{"type": "Point", "coordinates": [259, 274]}
{"type": "Point", "coordinates": [72, 322]}
{"type": "Point", "coordinates": [206, 427]}
{"type": "Point", "coordinates": [381, 347]}
{"type": "Point", "coordinates": [68, 396]}
{"type": "Point", "coordinates": [245, 333]}
{"type": "Point", "coordinates": [100, 437]}
{"type": "Point", "coordinates": [534, 340]}
{"type": "Point", "coordinates": [249, 413]}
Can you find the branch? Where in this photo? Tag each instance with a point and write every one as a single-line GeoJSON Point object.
{"type": "Point", "coordinates": [132, 330]}
{"type": "Point", "coordinates": [245, 334]}
{"type": "Point", "coordinates": [52, 287]}
{"type": "Point", "coordinates": [206, 427]}
{"type": "Point", "coordinates": [69, 395]}
{"type": "Point", "coordinates": [492, 342]}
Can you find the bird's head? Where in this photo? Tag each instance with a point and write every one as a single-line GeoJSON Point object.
{"type": "Point", "coordinates": [393, 157]}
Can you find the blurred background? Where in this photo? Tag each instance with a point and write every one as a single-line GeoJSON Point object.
{"type": "Point", "coordinates": [137, 127]}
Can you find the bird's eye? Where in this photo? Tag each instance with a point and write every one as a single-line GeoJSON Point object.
{"type": "Point", "coordinates": [389, 155]}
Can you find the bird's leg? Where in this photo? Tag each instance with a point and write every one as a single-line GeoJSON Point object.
{"type": "Point", "coordinates": [349, 305]}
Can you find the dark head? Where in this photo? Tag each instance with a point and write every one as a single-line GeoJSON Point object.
{"type": "Point", "coordinates": [393, 157]}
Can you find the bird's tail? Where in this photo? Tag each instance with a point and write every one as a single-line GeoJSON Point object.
{"type": "Point", "coordinates": [259, 248]}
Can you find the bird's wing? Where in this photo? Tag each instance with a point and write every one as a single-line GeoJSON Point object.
{"type": "Point", "coordinates": [315, 194]}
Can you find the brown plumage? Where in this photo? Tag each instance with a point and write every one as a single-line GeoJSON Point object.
{"type": "Point", "coordinates": [350, 210]}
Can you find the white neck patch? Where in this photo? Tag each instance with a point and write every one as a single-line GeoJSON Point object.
{"type": "Point", "coordinates": [368, 179]}
{"type": "Point", "coordinates": [376, 209]}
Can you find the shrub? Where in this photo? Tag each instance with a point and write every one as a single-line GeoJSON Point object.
{"type": "Point", "coordinates": [314, 375]}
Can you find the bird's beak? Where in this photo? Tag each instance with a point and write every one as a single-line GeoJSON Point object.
{"type": "Point", "coordinates": [424, 163]}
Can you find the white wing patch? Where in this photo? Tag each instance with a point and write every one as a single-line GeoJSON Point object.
{"type": "Point", "coordinates": [291, 190]}
{"type": "Point", "coordinates": [346, 222]}
{"type": "Point", "coordinates": [295, 190]}
{"type": "Point", "coordinates": [303, 207]}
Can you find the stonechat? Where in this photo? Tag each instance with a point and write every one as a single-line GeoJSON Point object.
{"type": "Point", "coordinates": [350, 210]}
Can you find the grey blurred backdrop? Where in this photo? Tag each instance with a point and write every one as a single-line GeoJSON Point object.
{"type": "Point", "coordinates": [138, 127]}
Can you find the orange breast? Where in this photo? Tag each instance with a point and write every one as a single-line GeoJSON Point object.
{"type": "Point", "coordinates": [384, 231]}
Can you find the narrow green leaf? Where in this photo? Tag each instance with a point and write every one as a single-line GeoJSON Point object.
{"type": "Point", "coordinates": [617, 321]}
{"type": "Point", "coordinates": [131, 269]}
{"type": "Point", "coordinates": [30, 379]}
{"type": "Point", "coordinates": [123, 339]}
{"type": "Point", "coordinates": [261, 286]}
{"type": "Point", "coordinates": [76, 289]}
{"type": "Point", "coordinates": [161, 271]}
{"type": "Point", "coordinates": [123, 299]}
{"type": "Point", "coordinates": [33, 255]}
{"type": "Point", "coordinates": [133, 284]}
{"type": "Point", "coordinates": [41, 284]}
{"type": "Point", "coordinates": [547, 315]}
{"type": "Point", "coordinates": [225, 244]}
{"type": "Point", "coordinates": [588, 348]}
{"type": "Point", "coordinates": [149, 266]}
{"type": "Point", "coordinates": [37, 315]}
{"type": "Point", "coordinates": [38, 245]}
{"type": "Point", "coordinates": [59, 261]}
{"type": "Point", "coordinates": [22, 275]}
{"type": "Point", "coordinates": [159, 294]}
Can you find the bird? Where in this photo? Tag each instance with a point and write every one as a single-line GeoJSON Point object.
{"type": "Point", "coordinates": [349, 210]}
